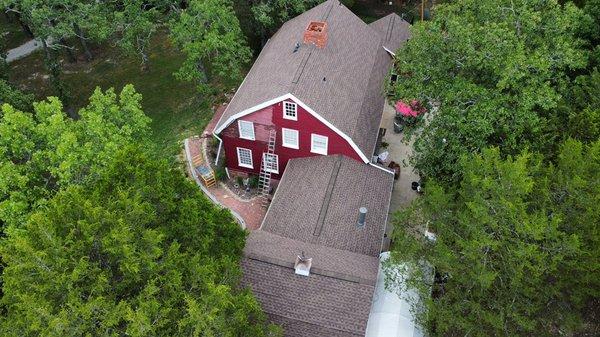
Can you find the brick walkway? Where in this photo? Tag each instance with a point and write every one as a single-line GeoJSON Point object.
{"type": "Point", "coordinates": [250, 212]}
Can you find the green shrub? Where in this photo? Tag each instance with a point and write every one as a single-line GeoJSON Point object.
{"type": "Point", "coordinates": [221, 173]}
{"type": "Point", "coordinates": [253, 181]}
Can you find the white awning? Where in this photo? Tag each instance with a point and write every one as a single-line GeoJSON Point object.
{"type": "Point", "coordinates": [390, 314]}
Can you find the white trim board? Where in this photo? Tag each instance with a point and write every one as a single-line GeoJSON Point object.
{"type": "Point", "coordinates": [305, 107]}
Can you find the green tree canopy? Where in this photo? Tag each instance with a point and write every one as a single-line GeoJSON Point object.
{"type": "Point", "coordinates": [496, 70]}
{"type": "Point", "coordinates": [517, 245]}
{"type": "Point", "coordinates": [138, 252]}
{"type": "Point", "coordinates": [14, 97]}
{"type": "Point", "coordinates": [46, 150]}
{"type": "Point", "coordinates": [209, 34]}
{"type": "Point", "coordinates": [271, 14]}
{"type": "Point", "coordinates": [102, 238]}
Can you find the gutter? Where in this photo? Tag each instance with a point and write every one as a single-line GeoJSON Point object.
{"type": "Point", "coordinates": [219, 149]}
{"type": "Point", "coordinates": [382, 168]}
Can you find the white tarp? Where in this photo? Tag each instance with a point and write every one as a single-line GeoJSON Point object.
{"type": "Point", "coordinates": [390, 314]}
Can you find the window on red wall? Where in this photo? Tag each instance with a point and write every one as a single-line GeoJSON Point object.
{"type": "Point", "coordinates": [244, 157]}
{"type": "Point", "coordinates": [246, 129]}
{"type": "Point", "coordinates": [271, 163]}
{"type": "Point", "coordinates": [290, 111]}
{"type": "Point", "coordinates": [289, 138]}
{"type": "Point", "coordinates": [318, 144]}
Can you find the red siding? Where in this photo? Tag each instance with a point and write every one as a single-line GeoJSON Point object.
{"type": "Point", "coordinates": [272, 117]}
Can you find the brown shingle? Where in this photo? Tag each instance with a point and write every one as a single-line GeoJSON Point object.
{"type": "Point", "coordinates": [340, 264]}
{"type": "Point", "coordinates": [394, 30]}
{"type": "Point", "coordinates": [351, 97]}
{"type": "Point", "coordinates": [309, 306]}
{"type": "Point", "coordinates": [317, 202]}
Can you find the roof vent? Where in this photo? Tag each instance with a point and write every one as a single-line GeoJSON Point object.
{"type": "Point", "coordinates": [302, 265]}
{"type": "Point", "coordinates": [316, 33]}
{"type": "Point", "coordinates": [362, 215]}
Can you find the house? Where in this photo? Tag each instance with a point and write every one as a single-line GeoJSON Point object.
{"type": "Point", "coordinates": [308, 114]}
{"type": "Point", "coordinates": [318, 216]}
{"type": "Point", "coordinates": [315, 89]}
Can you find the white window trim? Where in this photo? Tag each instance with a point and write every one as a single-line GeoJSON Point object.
{"type": "Point", "coordinates": [240, 122]}
{"type": "Point", "coordinates": [285, 116]}
{"type": "Point", "coordinates": [312, 144]}
{"type": "Point", "coordinates": [276, 162]}
{"type": "Point", "coordinates": [240, 164]}
{"type": "Point", "coordinates": [290, 145]}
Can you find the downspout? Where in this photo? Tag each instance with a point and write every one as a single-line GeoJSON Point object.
{"type": "Point", "coordinates": [219, 149]}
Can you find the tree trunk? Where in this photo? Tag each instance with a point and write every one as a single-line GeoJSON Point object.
{"type": "Point", "coordinates": [24, 26]}
{"type": "Point", "coordinates": [9, 18]}
{"type": "Point", "coordinates": [70, 55]}
{"type": "Point", "coordinates": [145, 62]}
{"type": "Point", "coordinates": [86, 49]}
{"type": "Point", "coordinates": [46, 50]}
{"type": "Point", "coordinates": [54, 68]}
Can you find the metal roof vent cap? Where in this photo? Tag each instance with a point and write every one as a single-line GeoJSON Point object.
{"type": "Point", "coordinates": [362, 217]}
{"type": "Point", "coordinates": [316, 33]}
{"type": "Point", "coordinates": [302, 265]}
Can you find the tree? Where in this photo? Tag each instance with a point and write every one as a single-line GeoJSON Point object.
{"type": "Point", "coordinates": [516, 250]}
{"type": "Point", "coordinates": [14, 97]}
{"type": "Point", "coordinates": [102, 238]}
{"type": "Point", "coordinates": [209, 34]}
{"type": "Point", "coordinates": [42, 151]}
{"type": "Point", "coordinates": [271, 14]}
{"type": "Point", "coordinates": [496, 70]}
{"type": "Point", "coordinates": [139, 21]}
{"type": "Point", "coordinates": [137, 252]}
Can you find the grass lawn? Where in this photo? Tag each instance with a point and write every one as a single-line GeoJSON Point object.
{"type": "Point", "coordinates": [175, 107]}
{"type": "Point", "coordinates": [11, 34]}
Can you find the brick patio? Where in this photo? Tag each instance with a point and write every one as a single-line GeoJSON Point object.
{"type": "Point", "coordinates": [249, 212]}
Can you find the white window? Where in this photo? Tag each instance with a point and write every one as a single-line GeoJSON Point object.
{"type": "Point", "coordinates": [244, 157]}
{"type": "Point", "coordinates": [290, 111]}
{"type": "Point", "coordinates": [290, 138]}
{"type": "Point", "coordinates": [271, 162]}
{"type": "Point", "coordinates": [318, 144]}
{"type": "Point", "coordinates": [246, 130]}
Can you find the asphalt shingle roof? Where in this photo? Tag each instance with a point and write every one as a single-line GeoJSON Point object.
{"type": "Point", "coordinates": [342, 82]}
{"type": "Point", "coordinates": [394, 30]}
{"type": "Point", "coordinates": [315, 211]}
{"type": "Point", "coordinates": [309, 306]}
{"type": "Point", "coordinates": [318, 199]}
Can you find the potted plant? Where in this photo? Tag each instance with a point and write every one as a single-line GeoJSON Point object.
{"type": "Point", "coordinates": [407, 114]}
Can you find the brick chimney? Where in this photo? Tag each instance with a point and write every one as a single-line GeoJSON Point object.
{"type": "Point", "coordinates": [316, 33]}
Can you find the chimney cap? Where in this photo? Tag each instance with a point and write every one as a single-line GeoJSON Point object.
{"type": "Point", "coordinates": [362, 216]}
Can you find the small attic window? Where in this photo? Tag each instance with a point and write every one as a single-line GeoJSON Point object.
{"type": "Point", "coordinates": [290, 111]}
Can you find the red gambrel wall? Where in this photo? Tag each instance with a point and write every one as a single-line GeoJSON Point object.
{"type": "Point", "coordinates": [272, 116]}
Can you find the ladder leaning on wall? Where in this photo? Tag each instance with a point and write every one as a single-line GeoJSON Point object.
{"type": "Point", "coordinates": [264, 179]}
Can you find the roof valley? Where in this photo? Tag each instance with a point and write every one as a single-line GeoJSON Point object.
{"type": "Point", "coordinates": [325, 205]}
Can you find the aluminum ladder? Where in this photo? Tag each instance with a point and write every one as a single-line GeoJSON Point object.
{"type": "Point", "coordinates": [264, 179]}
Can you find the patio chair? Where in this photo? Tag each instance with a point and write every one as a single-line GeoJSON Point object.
{"type": "Point", "coordinates": [204, 171]}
